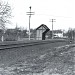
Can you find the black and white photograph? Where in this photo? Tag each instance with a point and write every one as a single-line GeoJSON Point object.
{"type": "Point", "coordinates": [37, 37]}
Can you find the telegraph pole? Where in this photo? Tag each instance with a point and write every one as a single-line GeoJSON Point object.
{"type": "Point", "coordinates": [52, 20]}
{"type": "Point", "coordinates": [30, 13]}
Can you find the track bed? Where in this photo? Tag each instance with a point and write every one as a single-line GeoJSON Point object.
{"type": "Point", "coordinates": [42, 59]}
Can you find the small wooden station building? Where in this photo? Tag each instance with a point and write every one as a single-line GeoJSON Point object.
{"type": "Point", "coordinates": [41, 32]}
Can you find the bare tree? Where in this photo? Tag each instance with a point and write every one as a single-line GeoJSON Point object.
{"type": "Point", "coordinates": [5, 14]}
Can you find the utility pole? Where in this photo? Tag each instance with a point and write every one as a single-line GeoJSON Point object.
{"type": "Point", "coordinates": [30, 13]}
{"type": "Point", "coordinates": [52, 20]}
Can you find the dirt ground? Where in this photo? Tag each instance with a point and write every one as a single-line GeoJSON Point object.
{"type": "Point", "coordinates": [55, 61]}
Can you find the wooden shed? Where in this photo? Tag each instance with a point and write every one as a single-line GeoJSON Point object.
{"type": "Point", "coordinates": [41, 32]}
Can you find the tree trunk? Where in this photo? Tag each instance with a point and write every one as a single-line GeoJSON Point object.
{"type": "Point", "coordinates": [2, 38]}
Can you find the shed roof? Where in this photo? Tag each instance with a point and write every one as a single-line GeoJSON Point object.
{"type": "Point", "coordinates": [42, 25]}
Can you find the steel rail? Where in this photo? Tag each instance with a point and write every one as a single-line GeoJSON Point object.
{"type": "Point", "coordinates": [26, 44]}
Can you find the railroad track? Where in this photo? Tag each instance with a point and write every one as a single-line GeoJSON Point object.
{"type": "Point", "coordinates": [11, 45]}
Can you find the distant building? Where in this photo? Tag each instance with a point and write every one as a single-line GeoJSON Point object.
{"type": "Point", "coordinates": [58, 33]}
{"type": "Point", "coordinates": [40, 32]}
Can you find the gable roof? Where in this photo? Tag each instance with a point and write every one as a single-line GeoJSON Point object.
{"type": "Point", "coordinates": [43, 25]}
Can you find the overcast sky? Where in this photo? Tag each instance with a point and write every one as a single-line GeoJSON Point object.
{"type": "Point", "coordinates": [61, 10]}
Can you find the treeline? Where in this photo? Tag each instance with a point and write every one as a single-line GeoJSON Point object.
{"type": "Point", "coordinates": [70, 34]}
{"type": "Point", "coordinates": [14, 34]}
{"type": "Point", "coordinates": [18, 33]}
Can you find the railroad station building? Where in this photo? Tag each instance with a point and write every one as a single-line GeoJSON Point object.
{"type": "Point", "coordinates": [40, 32]}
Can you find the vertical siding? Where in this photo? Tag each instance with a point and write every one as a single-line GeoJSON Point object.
{"type": "Point", "coordinates": [39, 33]}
